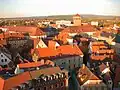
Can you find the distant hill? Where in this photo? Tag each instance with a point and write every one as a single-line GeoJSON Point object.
{"type": "Point", "coordinates": [67, 17]}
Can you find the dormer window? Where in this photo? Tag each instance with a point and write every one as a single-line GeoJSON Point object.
{"type": "Point", "coordinates": [62, 75]}
{"type": "Point", "coordinates": [45, 88]}
{"type": "Point", "coordinates": [57, 76]}
{"type": "Point", "coordinates": [1, 55]}
{"type": "Point", "coordinates": [62, 84]}
{"type": "Point", "coordinates": [2, 60]}
{"type": "Point", "coordinates": [51, 87]}
{"type": "Point", "coordinates": [5, 60]}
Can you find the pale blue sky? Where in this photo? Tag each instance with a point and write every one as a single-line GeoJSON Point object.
{"type": "Point", "coordinates": [16, 8]}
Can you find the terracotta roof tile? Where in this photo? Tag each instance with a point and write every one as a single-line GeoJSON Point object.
{"type": "Point", "coordinates": [1, 83]}
{"type": "Point", "coordinates": [99, 47]}
{"type": "Point", "coordinates": [26, 76]}
{"type": "Point", "coordinates": [33, 31]}
{"type": "Point", "coordinates": [16, 80]}
{"type": "Point", "coordinates": [64, 50]}
{"type": "Point", "coordinates": [13, 35]}
{"type": "Point", "coordinates": [3, 42]}
{"type": "Point", "coordinates": [78, 29]}
{"type": "Point", "coordinates": [46, 52]}
{"type": "Point", "coordinates": [29, 65]}
{"type": "Point", "coordinates": [85, 74]}
{"type": "Point", "coordinates": [100, 57]}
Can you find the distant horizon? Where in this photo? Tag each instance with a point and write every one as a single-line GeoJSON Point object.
{"type": "Point", "coordinates": [30, 8]}
{"type": "Point", "coordinates": [59, 15]}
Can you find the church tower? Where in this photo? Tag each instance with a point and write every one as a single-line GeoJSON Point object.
{"type": "Point", "coordinates": [77, 20]}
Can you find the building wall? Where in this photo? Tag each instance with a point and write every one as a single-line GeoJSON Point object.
{"type": "Point", "coordinates": [69, 63]}
{"type": "Point", "coordinates": [16, 43]}
{"type": "Point", "coordinates": [77, 21]}
{"type": "Point", "coordinates": [65, 22]}
{"type": "Point", "coordinates": [3, 59]}
{"type": "Point", "coordinates": [94, 23]}
{"type": "Point", "coordinates": [59, 83]}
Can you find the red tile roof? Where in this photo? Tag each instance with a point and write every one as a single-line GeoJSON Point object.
{"type": "Point", "coordinates": [85, 74]}
{"type": "Point", "coordinates": [16, 80]}
{"type": "Point", "coordinates": [29, 65]}
{"type": "Point", "coordinates": [36, 64]}
{"type": "Point", "coordinates": [46, 52]}
{"type": "Point", "coordinates": [78, 29]}
{"type": "Point", "coordinates": [64, 50]}
{"type": "Point", "coordinates": [1, 83]}
{"type": "Point", "coordinates": [69, 49]}
{"type": "Point", "coordinates": [8, 34]}
{"type": "Point", "coordinates": [33, 31]}
{"type": "Point", "coordinates": [2, 39]}
{"type": "Point", "coordinates": [13, 34]}
{"type": "Point", "coordinates": [26, 76]}
{"type": "Point", "coordinates": [99, 47]}
{"type": "Point", "coordinates": [100, 57]}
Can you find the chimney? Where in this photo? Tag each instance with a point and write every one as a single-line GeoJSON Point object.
{"type": "Point", "coordinates": [107, 64]}
{"type": "Point", "coordinates": [83, 66]}
{"type": "Point", "coordinates": [52, 44]}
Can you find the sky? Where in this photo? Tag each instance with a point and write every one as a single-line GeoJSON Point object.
{"type": "Point", "coordinates": [24, 8]}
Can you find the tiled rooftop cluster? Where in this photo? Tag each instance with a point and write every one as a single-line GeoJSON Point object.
{"type": "Point", "coordinates": [54, 55]}
{"type": "Point", "coordinates": [100, 51]}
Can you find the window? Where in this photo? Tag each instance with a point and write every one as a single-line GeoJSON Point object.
{"type": "Point", "coordinates": [1, 55]}
{"type": "Point", "coordinates": [69, 61]}
{"type": "Point", "coordinates": [2, 60]}
{"type": "Point", "coordinates": [62, 84]}
{"type": "Point", "coordinates": [56, 85]}
{"type": "Point", "coordinates": [5, 60]}
{"type": "Point", "coordinates": [45, 88]}
{"type": "Point", "coordinates": [74, 65]}
{"type": "Point", "coordinates": [110, 83]}
{"type": "Point", "coordinates": [55, 64]}
{"type": "Point", "coordinates": [51, 87]}
{"type": "Point", "coordinates": [69, 67]}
